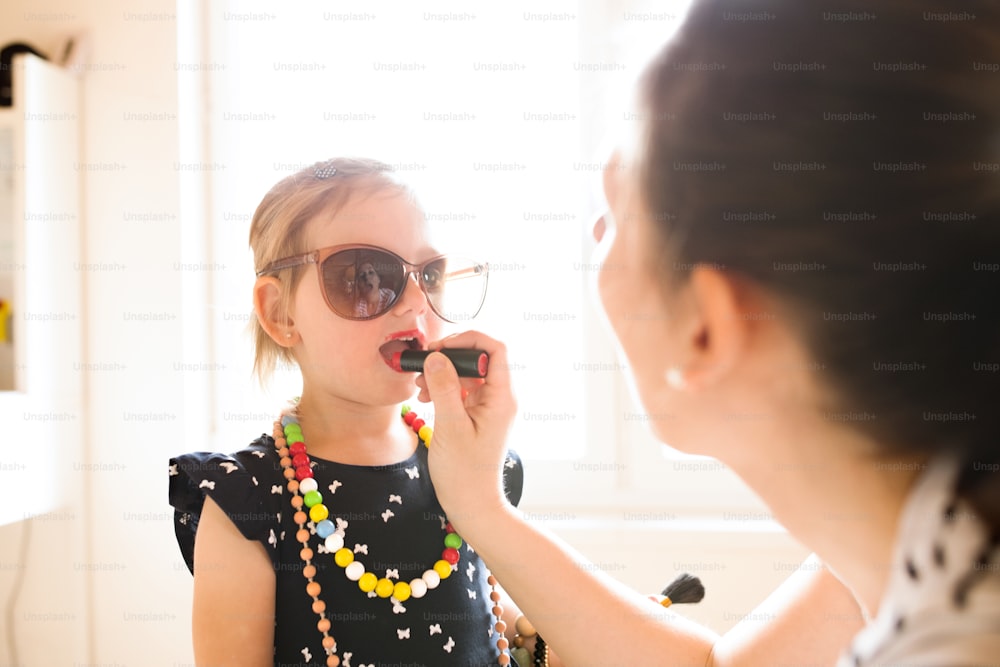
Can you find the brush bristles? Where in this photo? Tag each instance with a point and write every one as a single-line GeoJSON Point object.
{"type": "Point", "coordinates": [685, 588]}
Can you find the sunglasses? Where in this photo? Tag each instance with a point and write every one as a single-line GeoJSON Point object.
{"type": "Point", "coordinates": [362, 282]}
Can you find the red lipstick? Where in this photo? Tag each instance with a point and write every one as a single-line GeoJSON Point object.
{"type": "Point", "coordinates": [468, 362]}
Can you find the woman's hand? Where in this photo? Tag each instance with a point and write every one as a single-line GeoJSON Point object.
{"type": "Point", "coordinates": [471, 421]}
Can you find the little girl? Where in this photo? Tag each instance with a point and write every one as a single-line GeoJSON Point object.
{"type": "Point", "coordinates": [323, 543]}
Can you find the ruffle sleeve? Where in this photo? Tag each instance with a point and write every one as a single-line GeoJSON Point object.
{"type": "Point", "coordinates": [247, 486]}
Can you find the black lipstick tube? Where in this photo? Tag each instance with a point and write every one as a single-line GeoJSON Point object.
{"type": "Point", "coordinates": [468, 362]}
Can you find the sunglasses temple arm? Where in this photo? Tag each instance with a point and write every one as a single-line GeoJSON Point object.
{"type": "Point", "coordinates": [471, 272]}
{"type": "Point", "coordinates": [287, 264]}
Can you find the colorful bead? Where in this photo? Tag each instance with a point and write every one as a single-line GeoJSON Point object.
{"type": "Point", "coordinates": [302, 472]}
{"type": "Point", "coordinates": [367, 582]}
{"type": "Point", "coordinates": [293, 437]}
{"type": "Point", "coordinates": [288, 419]}
{"type": "Point", "coordinates": [313, 589]}
{"type": "Point", "coordinates": [452, 540]}
{"type": "Point", "coordinates": [325, 528]}
{"type": "Point", "coordinates": [443, 569]}
{"type": "Point", "coordinates": [334, 543]}
{"type": "Point", "coordinates": [297, 448]}
{"type": "Point", "coordinates": [312, 498]}
{"type": "Point", "coordinates": [425, 433]}
{"type": "Point", "coordinates": [355, 570]}
{"type": "Point", "coordinates": [416, 424]}
{"type": "Point", "coordinates": [318, 513]}
{"type": "Point", "coordinates": [384, 588]}
{"type": "Point", "coordinates": [404, 409]}
{"type": "Point", "coordinates": [450, 555]}
{"type": "Point", "coordinates": [401, 591]}
{"type": "Point", "coordinates": [300, 460]}
{"type": "Point", "coordinates": [418, 588]}
{"type": "Point", "coordinates": [307, 485]}
{"type": "Point", "coordinates": [343, 557]}
{"type": "Point", "coordinates": [432, 578]}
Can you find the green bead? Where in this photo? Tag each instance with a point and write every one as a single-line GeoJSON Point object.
{"type": "Point", "coordinates": [452, 540]}
{"type": "Point", "coordinates": [292, 428]}
{"type": "Point", "coordinates": [312, 498]}
{"type": "Point", "coordinates": [294, 437]}
{"type": "Point", "coordinates": [406, 408]}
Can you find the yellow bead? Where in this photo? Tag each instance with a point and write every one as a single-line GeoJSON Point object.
{"type": "Point", "coordinates": [401, 591]}
{"type": "Point", "coordinates": [443, 569]}
{"type": "Point", "coordinates": [384, 588]}
{"type": "Point", "coordinates": [318, 512]}
{"type": "Point", "coordinates": [343, 557]}
{"type": "Point", "coordinates": [425, 433]}
{"type": "Point", "coordinates": [367, 582]}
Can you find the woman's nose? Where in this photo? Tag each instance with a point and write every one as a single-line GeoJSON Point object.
{"type": "Point", "coordinates": [600, 226]}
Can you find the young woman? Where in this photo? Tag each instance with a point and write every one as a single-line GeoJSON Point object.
{"type": "Point", "coordinates": [809, 216]}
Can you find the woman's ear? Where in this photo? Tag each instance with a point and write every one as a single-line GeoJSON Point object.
{"type": "Point", "coordinates": [272, 317]}
{"type": "Point", "coordinates": [717, 333]}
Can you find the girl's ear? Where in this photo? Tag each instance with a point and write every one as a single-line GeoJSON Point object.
{"type": "Point", "coordinates": [272, 317]}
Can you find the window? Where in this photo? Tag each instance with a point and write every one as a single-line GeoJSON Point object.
{"type": "Point", "coordinates": [495, 113]}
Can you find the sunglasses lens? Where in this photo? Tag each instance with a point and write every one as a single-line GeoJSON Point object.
{"type": "Point", "coordinates": [455, 287]}
{"type": "Point", "coordinates": [362, 283]}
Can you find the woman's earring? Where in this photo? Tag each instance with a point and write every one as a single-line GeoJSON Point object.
{"type": "Point", "coordinates": [288, 334]}
{"type": "Point", "coordinates": [675, 378]}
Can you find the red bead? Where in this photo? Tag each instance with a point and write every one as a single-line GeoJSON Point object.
{"type": "Point", "coordinates": [297, 448]}
{"type": "Point", "coordinates": [450, 555]}
{"type": "Point", "coordinates": [300, 460]}
{"type": "Point", "coordinates": [302, 472]}
{"type": "Point", "coordinates": [448, 528]}
{"type": "Point", "coordinates": [416, 424]}
{"type": "Point", "coordinates": [409, 417]}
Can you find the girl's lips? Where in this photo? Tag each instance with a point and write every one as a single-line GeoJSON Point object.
{"type": "Point", "coordinates": [399, 341]}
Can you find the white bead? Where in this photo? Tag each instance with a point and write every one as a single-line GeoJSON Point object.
{"type": "Point", "coordinates": [431, 578]}
{"type": "Point", "coordinates": [354, 570]}
{"type": "Point", "coordinates": [334, 543]}
{"type": "Point", "coordinates": [307, 485]}
{"type": "Point", "coordinates": [418, 588]}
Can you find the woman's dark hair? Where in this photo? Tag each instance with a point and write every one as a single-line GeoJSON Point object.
{"type": "Point", "coordinates": [848, 162]}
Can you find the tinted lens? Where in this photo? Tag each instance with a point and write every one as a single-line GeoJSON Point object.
{"type": "Point", "coordinates": [455, 287]}
{"type": "Point", "coordinates": [362, 283]}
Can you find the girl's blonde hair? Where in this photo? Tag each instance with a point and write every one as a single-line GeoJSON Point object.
{"type": "Point", "coordinates": [278, 230]}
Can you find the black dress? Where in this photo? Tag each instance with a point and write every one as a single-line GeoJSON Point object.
{"type": "Point", "coordinates": [394, 525]}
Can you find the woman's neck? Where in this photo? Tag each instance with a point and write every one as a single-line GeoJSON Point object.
{"type": "Point", "coordinates": [348, 432]}
{"type": "Point", "coordinates": [839, 502]}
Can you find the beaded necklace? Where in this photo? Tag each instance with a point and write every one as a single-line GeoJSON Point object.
{"type": "Point", "coordinates": [297, 470]}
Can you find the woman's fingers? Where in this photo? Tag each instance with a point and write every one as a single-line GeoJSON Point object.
{"type": "Point", "coordinates": [498, 372]}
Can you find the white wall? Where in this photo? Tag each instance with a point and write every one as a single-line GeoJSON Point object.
{"type": "Point", "coordinates": [102, 580]}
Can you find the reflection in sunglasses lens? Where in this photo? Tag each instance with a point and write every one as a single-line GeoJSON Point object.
{"type": "Point", "coordinates": [362, 283]}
